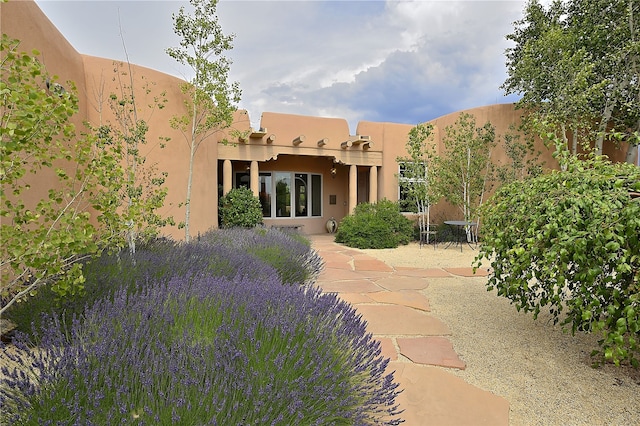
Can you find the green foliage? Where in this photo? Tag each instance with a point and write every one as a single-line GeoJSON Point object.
{"type": "Point", "coordinates": [290, 270]}
{"type": "Point", "coordinates": [570, 240]}
{"type": "Point", "coordinates": [577, 69]}
{"type": "Point", "coordinates": [464, 171]}
{"type": "Point", "coordinates": [210, 98]}
{"type": "Point", "coordinates": [418, 179]}
{"type": "Point", "coordinates": [139, 192]}
{"type": "Point", "coordinates": [240, 208]}
{"type": "Point", "coordinates": [103, 275]}
{"type": "Point", "coordinates": [46, 238]}
{"type": "Point", "coordinates": [522, 159]}
{"type": "Point", "coordinates": [375, 226]}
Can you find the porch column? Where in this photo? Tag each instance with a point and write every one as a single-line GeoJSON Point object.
{"type": "Point", "coordinates": [254, 178]}
{"type": "Point", "coordinates": [353, 187]}
{"type": "Point", "coordinates": [373, 184]}
{"type": "Point", "coordinates": [227, 178]}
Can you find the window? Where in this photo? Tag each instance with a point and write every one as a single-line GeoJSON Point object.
{"type": "Point", "coordinates": [296, 194]}
{"type": "Point", "coordinates": [301, 194]}
{"type": "Point", "coordinates": [409, 175]}
{"type": "Point", "coordinates": [283, 194]}
{"type": "Point", "coordinates": [265, 194]}
{"type": "Point", "coordinates": [316, 195]}
{"type": "Point", "coordinates": [242, 180]}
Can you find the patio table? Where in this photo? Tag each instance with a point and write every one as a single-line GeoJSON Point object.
{"type": "Point", "coordinates": [460, 227]}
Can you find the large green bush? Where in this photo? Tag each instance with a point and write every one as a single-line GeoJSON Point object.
{"type": "Point", "coordinates": [240, 208]}
{"type": "Point", "coordinates": [375, 226]}
{"type": "Point", "coordinates": [570, 241]}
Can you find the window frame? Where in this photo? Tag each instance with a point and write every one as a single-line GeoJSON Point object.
{"type": "Point", "coordinates": [312, 196]}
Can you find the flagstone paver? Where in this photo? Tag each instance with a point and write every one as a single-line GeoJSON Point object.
{"type": "Point", "coordinates": [333, 274]}
{"type": "Point", "coordinates": [388, 348]}
{"type": "Point", "coordinates": [424, 273]}
{"type": "Point", "coordinates": [371, 265]}
{"type": "Point", "coordinates": [409, 298]}
{"type": "Point", "coordinates": [349, 286]}
{"type": "Point", "coordinates": [415, 341]}
{"type": "Point", "coordinates": [433, 350]}
{"type": "Point", "coordinates": [356, 298]}
{"type": "Point", "coordinates": [433, 396]}
{"type": "Point", "coordinates": [337, 264]}
{"type": "Point", "coordinates": [396, 283]}
{"type": "Point", "coordinates": [401, 320]}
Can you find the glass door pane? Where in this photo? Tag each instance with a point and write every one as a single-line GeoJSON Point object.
{"type": "Point", "coordinates": [316, 195]}
{"type": "Point", "coordinates": [301, 194]}
{"type": "Point", "coordinates": [283, 194]}
{"type": "Point", "coordinates": [265, 194]}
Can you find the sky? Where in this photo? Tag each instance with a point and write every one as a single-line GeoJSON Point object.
{"type": "Point", "coordinates": [385, 61]}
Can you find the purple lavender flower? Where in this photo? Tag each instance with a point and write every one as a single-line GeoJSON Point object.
{"type": "Point", "coordinates": [227, 344]}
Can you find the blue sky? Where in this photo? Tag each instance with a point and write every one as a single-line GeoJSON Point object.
{"type": "Point", "coordinates": [395, 61]}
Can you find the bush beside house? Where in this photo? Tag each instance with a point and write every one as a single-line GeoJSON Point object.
{"type": "Point", "coordinates": [240, 208]}
{"type": "Point", "coordinates": [375, 226]}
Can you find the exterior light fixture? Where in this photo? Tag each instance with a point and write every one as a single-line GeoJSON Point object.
{"type": "Point", "coordinates": [333, 172]}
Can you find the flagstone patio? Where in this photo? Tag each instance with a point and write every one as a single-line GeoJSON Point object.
{"type": "Point", "coordinates": [398, 315]}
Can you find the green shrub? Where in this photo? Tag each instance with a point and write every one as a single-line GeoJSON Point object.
{"type": "Point", "coordinates": [571, 241]}
{"type": "Point", "coordinates": [240, 208]}
{"type": "Point", "coordinates": [375, 226]}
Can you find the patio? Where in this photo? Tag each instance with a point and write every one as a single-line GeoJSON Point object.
{"type": "Point", "coordinates": [465, 356]}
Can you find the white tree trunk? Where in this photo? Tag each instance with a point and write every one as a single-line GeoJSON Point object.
{"type": "Point", "coordinates": [632, 155]}
{"type": "Point", "coordinates": [192, 154]}
{"type": "Point", "coordinates": [187, 213]}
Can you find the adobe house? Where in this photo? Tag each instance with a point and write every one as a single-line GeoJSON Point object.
{"type": "Point", "coordinates": [305, 170]}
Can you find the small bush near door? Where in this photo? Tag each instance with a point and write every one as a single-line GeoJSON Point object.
{"type": "Point", "coordinates": [375, 226]}
{"type": "Point", "coordinates": [239, 208]}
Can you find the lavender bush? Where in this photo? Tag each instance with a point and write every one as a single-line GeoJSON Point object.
{"type": "Point", "coordinates": [224, 255]}
{"type": "Point", "coordinates": [201, 333]}
{"type": "Point", "coordinates": [289, 253]}
{"type": "Point", "coordinates": [205, 350]}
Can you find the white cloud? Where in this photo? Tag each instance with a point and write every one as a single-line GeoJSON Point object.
{"type": "Point", "coordinates": [405, 61]}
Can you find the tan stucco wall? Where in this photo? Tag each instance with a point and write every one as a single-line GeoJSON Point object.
{"type": "Point", "coordinates": [26, 22]}
{"type": "Point", "coordinates": [94, 78]}
{"type": "Point", "coordinates": [23, 20]}
{"type": "Point", "coordinates": [174, 157]}
{"type": "Point", "coordinates": [392, 138]}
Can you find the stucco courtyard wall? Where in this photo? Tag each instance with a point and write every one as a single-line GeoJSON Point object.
{"type": "Point", "coordinates": [95, 79]}
{"type": "Point", "coordinates": [26, 22]}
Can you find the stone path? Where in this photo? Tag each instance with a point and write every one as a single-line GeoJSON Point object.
{"type": "Point", "coordinates": [397, 312]}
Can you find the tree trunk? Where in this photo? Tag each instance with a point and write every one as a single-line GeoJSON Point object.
{"type": "Point", "coordinates": [187, 213]}
{"type": "Point", "coordinates": [632, 155]}
{"type": "Point", "coordinates": [563, 129]}
{"type": "Point", "coordinates": [192, 154]}
{"type": "Point", "coordinates": [606, 117]}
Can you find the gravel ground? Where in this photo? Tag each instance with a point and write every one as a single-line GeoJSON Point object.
{"type": "Point", "coordinates": [544, 373]}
